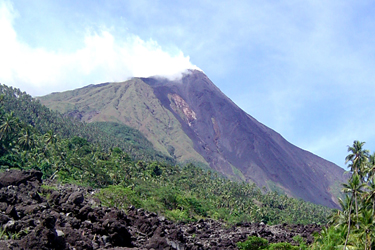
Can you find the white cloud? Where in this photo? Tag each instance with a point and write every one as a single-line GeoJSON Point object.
{"type": "Point", "coordinates": [103, 58]}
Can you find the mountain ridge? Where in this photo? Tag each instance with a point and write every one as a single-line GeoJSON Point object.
{"type": "Point", "coordinates": [215, 132]}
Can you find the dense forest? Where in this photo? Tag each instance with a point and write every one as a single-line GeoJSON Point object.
{"type": "Point", "coordinates": [128, 172]}
{"type": "Point", "coordinates": [29, 111]}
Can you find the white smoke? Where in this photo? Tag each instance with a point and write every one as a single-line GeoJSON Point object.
{"type": "Point", "coordinates": [103, 58]}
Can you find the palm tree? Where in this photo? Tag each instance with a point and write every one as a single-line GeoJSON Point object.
{"type": "Point", "coordinates": [370, 193]}
{"type": "Point", "coordinates": [354, 186]}
{"type": "Point", "coordinates": [339, 217]}
{"type": "Point", "coordinates": [50, 137]}
{"type": "Point", "coordinates": [9, 124]}
{"type": "Point", "coordinates": [358, 157]}
{"type": "Point", "coordinates": [371, 166]}
{"type": "Point", "coordinates": [329, 238]}
{"type": "Point", "coordinates": [343, 218]}
{"type": "Point", "coordinates": [26, 138]}
{"type": "Point", "coordinates": [367, 227]}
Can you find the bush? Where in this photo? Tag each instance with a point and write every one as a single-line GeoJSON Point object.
{"type": "Point", "coordinates": [253, 243]}
{"type": "Point", "coordinates": [177, 215]}
{"type": "Point", "coordinates": [283, 246]}
{"type": "Point", "coordinates": [118, 196]}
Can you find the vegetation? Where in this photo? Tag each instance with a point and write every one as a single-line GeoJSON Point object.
{"type": "Point", "coordinates": [33, 137]}
{"type": "Point", "coordinates": [29, 111]}
{"type": "Point", "coordinates": [353, 226]}
{"type": "Point", "coordinates": [180, 193]}
{"type": "Point", "coordinates": [256, 243]}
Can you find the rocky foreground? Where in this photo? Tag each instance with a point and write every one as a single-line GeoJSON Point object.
{"type": "Point", "coordinates": [55, 216]}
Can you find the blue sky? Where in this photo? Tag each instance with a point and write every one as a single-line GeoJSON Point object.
{"type": "Point", "coordinates": [303, 68]}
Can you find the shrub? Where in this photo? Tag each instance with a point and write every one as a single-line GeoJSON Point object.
{"type": "Point", "coordinates": [283, 246]}
{"type": "Point", "coordinates": [253, 243]}
{"type": "Point", "coordinates": [118, 196]}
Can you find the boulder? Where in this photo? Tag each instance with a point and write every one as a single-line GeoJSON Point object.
{"type": "Point", "coordinates": [16, 177]}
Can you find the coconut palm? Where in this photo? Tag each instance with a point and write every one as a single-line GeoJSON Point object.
{"type": "Point", "coordinates": [50, 137]}
{"type": "Point", "coordinates": [354, 187]}
{"type": "Point", "coordinates": [371, 166]}
{"type": "Point", "coordinates": [343, 218]}
{"type": "Point", "coordinates": [9, 124]}
{"type": "Point", "coordinates": [358, 157]}
{"type": "Point", "coordinates": [26, 137]}
{"type": "Point", "coordinates": [330, 238]}
{"type": "Point", "coordinates": [370, 193]}
{"type": "Point", "coordinates": [367, 227]}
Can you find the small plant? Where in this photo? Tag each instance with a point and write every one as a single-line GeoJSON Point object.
{"type": "Point", "coordinates": [48, 188]}
{"type": "Point", "coordinates": [4, 235]}
{"type": "Point", "coordinates": [301, 241]}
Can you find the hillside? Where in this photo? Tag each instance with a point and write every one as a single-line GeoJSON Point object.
{"type": "Point", "coordinates": [179, 193]}
{"type": "Point", "coordinates": [133, 104]}
{"type": "Point", "coordinates": [192, 120]}
{"type": "Point", "coordinates": [31, 111]}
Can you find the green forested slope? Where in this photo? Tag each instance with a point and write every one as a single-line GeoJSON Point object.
{"type": "Point", "coordinates": [30, 111]}
{"type": "Point", "coordinates": [123, 133]}
{"type": "Point", "coordinates": [134, 104]}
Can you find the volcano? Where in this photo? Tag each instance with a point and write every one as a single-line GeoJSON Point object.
{"type": "Point", "coordinates": [191, 120]}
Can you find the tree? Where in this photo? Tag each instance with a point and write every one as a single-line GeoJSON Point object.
{"type": "Point", "coordinates": [8, 125]}
{"type": "Point", "coordinates": [50, 137]}
{"type": "Point", "coordinates": [26, 138]}
{"type": "Point", "coordinates": [342, 219]}
{"type": "Point", "coordinates": [367, 227]}
{"type": "Point", "coordinates": [354, 187]}
{"type": "Point", "coordinates": [329, 239]}
{"type": "Point", "coordinates": [371, 166]}
{"type": "Point", "coordinates": [358, 157]}
{"type": "Point", "coordinates": [370, 193]}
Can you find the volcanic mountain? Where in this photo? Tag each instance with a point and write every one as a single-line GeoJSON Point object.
{"type": "Point", "coordinates": [191, 120]}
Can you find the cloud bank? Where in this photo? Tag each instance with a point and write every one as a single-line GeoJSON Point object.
{"type": "Point", "coordinates": [103, 58]}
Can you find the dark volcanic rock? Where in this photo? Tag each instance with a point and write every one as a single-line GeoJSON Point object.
{"type": "Point", "coordinates": [67, 221]}
{"type": "Point", "coordinates": [15, 178]}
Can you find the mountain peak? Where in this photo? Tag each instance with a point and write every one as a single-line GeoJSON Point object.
{"type": "Point", "coordinates": [193, 121]}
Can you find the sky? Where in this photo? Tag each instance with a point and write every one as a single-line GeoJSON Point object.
{"type": "Point", "coordinates": [306, 69]}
